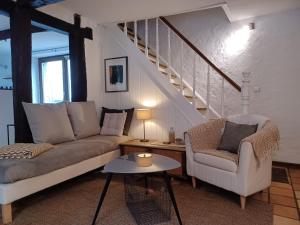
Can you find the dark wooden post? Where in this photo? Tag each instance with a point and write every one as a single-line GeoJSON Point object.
{"type": "Point", "coordinates": [20, 23]}
{"type": "Point", "coordinates": [77, 60]}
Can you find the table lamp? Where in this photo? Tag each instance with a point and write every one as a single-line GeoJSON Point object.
{"type": "Point", "coordinates": [144, 114]}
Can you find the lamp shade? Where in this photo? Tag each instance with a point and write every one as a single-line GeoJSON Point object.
{"type": "Point", "coordinates": [143, 114]}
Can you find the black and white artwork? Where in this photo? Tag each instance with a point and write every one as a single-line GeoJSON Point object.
{"type": "Point", "coordinates": [116, 74]}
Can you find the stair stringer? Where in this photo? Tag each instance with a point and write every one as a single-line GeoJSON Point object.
{"type": "Point", "coordinates": [179, 101]}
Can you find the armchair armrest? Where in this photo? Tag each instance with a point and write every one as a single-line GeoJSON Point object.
{"type": "Point", "coordinates": [252, 176]}
{"type": "Point", "coordinates": [206, 135]}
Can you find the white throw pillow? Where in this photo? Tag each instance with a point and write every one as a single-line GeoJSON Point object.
{"type": "Point", "coordinates": [113, 124]}
{"type": "Point", "coordinates": [49, 123]}
{"type": "Point", "coordinates": [83, 118]}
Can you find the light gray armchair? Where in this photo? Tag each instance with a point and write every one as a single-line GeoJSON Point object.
{"type": "Point", "coordinates": [242, 174]}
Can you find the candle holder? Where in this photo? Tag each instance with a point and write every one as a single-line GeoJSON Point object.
{"type": "Point", "coordinates": [144, 159]}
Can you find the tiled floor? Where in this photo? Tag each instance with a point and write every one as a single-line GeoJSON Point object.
{"type": "Point", "coordinates": [285, 198]}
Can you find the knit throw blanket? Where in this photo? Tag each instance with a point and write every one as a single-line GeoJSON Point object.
{"type": "Point", "coordinates": [265, 141]}
{"type": "Point", "coordinates": [206, 137]}
{"type": "Point", "coordinates": [23, 150]}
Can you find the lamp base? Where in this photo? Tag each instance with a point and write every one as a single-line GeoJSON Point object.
{"type": "Point", "coordinates": [144, 140]}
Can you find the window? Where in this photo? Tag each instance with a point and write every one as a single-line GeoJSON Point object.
{"type": "Point", "coordinates": [55, 79]}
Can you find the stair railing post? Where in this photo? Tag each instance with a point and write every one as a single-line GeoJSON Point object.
{"type": "Point", "coordinates": [169, 54]}
{"type": "Point", "coordinates": [208, 91]}
{"type": "Point", "coordinates": [146, 37]}
{"type": "Point", "coordinates": [157, 43]}
{"type": "Point", "coordinates": [135, 33]}
{"type": "Point", "coordinates": [125, 28]}
{"type": "Point", "coordinates": [181, 67]}
{"type": "Point", "coordinates": [246, 92]}
{"type": "Point", "coordinates": [194, 81]}
{"type": "Point", "coordinates": [222, 96]}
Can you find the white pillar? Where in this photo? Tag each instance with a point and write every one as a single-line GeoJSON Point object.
{"type": "Point", "coordinates": [246, 92]}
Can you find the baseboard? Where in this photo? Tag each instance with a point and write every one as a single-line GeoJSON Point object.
{"type": "Point", "coordinates": [286, 164]}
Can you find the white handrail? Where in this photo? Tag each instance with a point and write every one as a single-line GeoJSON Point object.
{"type": "Point", "coordinates": [169, 53]}
{"type": "Point", "coordinates": [222, 96]}
{"type": "Point", "coordinates": [194, 81]}
{"type": "Point", "coordinates": [208, 91]}
{"type": "Point", "coordinates": [146, 37]}
{"type": "Point", "coordinates": [125, 28]}
{"type": "Point", "coordinates": [181, 67]}
{"type": "Point", "coordinates": [246, 92]}
{"type": "Point", "coordinates": [135, 33]}
{"type": "Point", "coordinates": [157, 43]}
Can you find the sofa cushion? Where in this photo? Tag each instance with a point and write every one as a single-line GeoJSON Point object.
{"type": "Point", "coordinates": [223, 160]}
{"type": "Point", "coordinates": [62, 155]}
{"type": "Point", "coordinates": [128, 118]}
{"type": "Point", "coordinates": [84, 120]}
{"type": "Point", "coordinates": [49, 123]}
{"type": "Point", "coordinates": [113, 124]}
{"type": "Point", "coordinates": [233, 134]}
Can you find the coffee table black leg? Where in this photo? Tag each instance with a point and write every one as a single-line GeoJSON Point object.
{"type": "Point", "coordinates": [108, 179]}
{"type": "Point", "coordinates": [170, 190]}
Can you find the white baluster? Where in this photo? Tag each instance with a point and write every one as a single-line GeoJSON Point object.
{"type": "Point", "coordinates": [246, 92]}
{"type": "Point", "coordinates": [222, 96]}
{"type": "Point", "coordinates": [157, 43]}
{"type": "Point", "coordinates": [125, 28]}
{"type": "Point", "coordinates": [135, 33]}
{"type": "Point", "coordinates": [146, 37]}
{"type": "Point", "coordinates": [181, 67]}
{"type": "Point", "coordinates": [208, 91]}
{"type": "Point", "coordinates": [194, 81]}
{"type": "Point", "coordinates": [169, 54]}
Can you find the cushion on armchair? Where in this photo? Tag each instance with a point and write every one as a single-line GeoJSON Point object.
{"type": "Point", "coordinates": [233, 134]}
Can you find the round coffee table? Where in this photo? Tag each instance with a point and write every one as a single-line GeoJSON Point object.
{"type": "Point", "coordinates": [127, 165]}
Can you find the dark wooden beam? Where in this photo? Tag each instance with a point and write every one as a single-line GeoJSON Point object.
{"type": "Point", "coordinates": [78, 67]}
{"type": "Point", "coordinates": [59, 24]}
{"type": "Point", "coordinates": [21, 69]}
{"type": "Point", "coordinates": [6, 34]}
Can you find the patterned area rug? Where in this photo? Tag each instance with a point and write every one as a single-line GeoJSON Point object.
{"type": "Point", "coordinates": [74, 203]}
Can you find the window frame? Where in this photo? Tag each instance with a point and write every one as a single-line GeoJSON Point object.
{"type": "Point", "coordinates": [66, 84]}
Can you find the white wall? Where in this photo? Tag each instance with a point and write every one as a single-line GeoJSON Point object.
{"type": "Point", "coordinates": [142, 91]}
{"type": "Point", "coordinates": [6, 115]}
{"type": "Point", "coordinates": [271, 54]}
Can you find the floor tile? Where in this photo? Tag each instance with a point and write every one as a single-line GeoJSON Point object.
{"type": "Point", "coordinates": [282, 200]}
{"type": "Point", "coordinates": [281, 185]}
{"type": "Point", "coordinates": [294, 172]}
{"type": "Point", "coordinates": [296, 180]}
{"type": "Point", "coordinates": [278, 220]}
{"type": "Point", "coordinates": [297, 193]}
{"type": "Point", "coordinates": [282, 191]}
{"type": "Point", "coordinates": [296, 187]}
{"type": "Point", "coordinates": [285, 211]}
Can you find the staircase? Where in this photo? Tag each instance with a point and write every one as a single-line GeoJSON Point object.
{"type": "Point", "coordinates": [185, 85]}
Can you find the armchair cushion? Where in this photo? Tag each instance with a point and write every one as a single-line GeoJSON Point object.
{"type": "Point", "coordinates": [233, 135]}
{"type": "Point", "coordinates": [223, 160]}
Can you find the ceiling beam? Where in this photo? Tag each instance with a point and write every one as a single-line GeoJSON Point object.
{"type": "Point", "coordinates": [6, 34]}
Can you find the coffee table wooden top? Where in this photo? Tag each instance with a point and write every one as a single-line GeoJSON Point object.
{"type": "Point", "coordinates": [154, 144]}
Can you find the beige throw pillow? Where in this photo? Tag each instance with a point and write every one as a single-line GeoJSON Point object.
{"type": "Point", "coordinates": [84, 119]}
{"type": "Point", "coordinates": [49, 123]}
{"type": "Point", "coordinates": [113, 124]}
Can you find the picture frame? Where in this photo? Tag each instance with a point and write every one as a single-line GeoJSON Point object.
{"type": "Point", "coordinates": [116, 74]}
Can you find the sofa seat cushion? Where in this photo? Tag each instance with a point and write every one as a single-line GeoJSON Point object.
{"type": "Point", "coordinates": [220, 159]}
{"type": "Point", "coordinates": [62, 155]}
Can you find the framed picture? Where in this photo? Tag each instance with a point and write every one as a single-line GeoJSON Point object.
{"type": "Point", "coordinates": [116, 74]}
